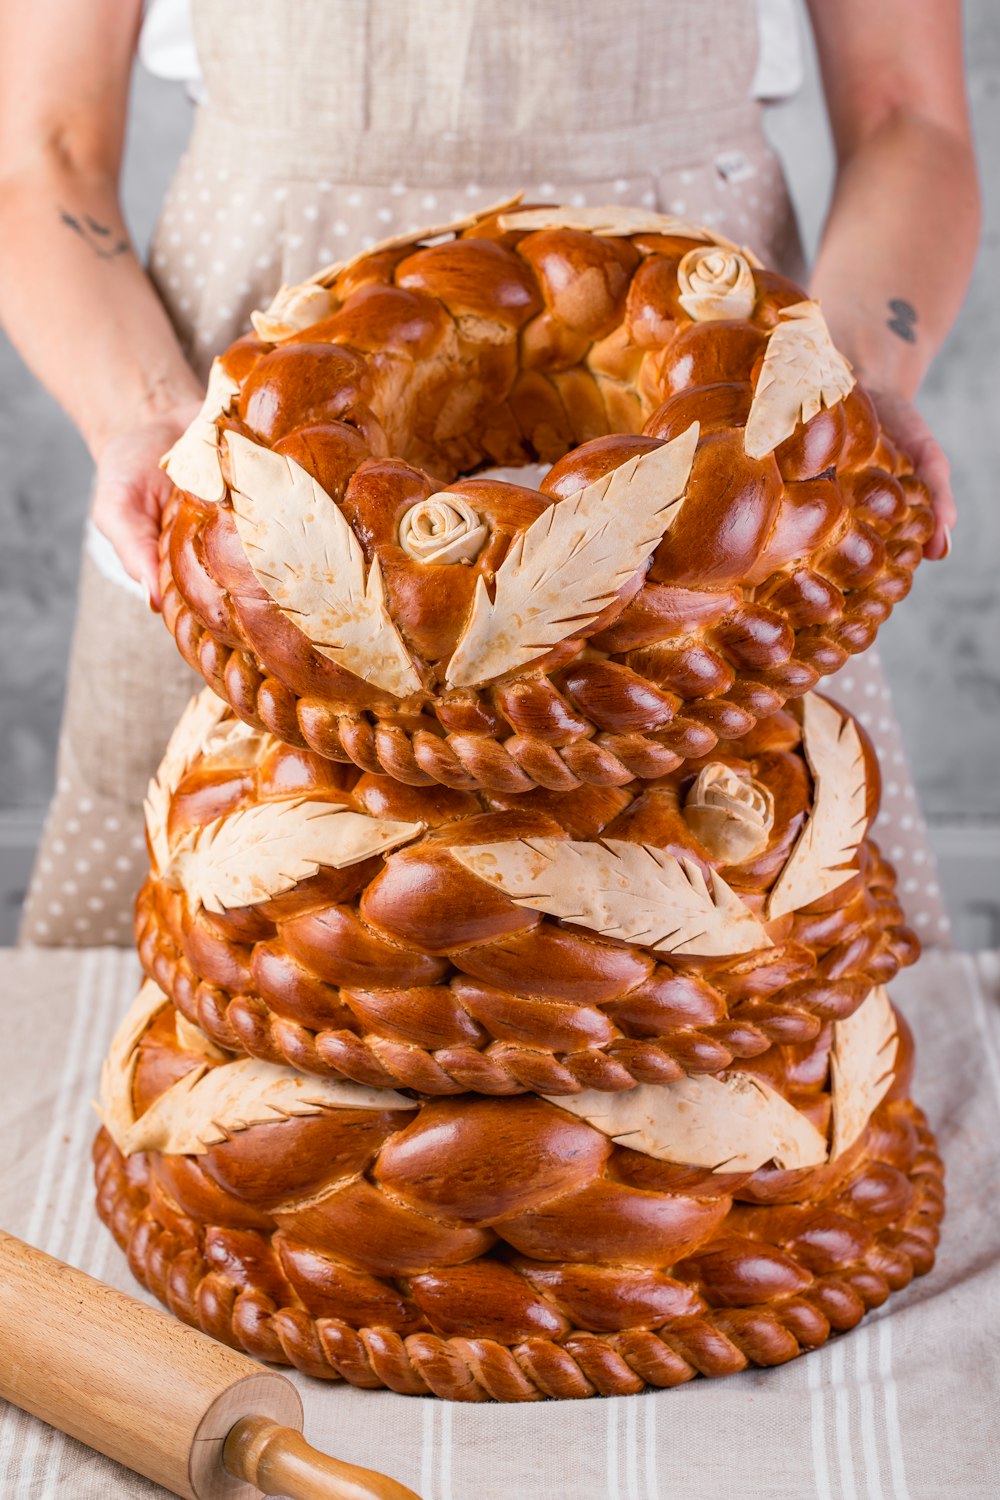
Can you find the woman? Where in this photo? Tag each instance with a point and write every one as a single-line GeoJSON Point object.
{"type": "Point", "coordinates": [329, 123]}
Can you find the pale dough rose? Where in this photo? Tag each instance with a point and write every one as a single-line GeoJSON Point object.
{"type": "Point", "coordinates": [715, 283]}
{"type": "Point", "coordinates": [442, 529]}
{"type": "Point", "coordinates": [730, 814]}
{"type": "Point", "coordinates": [292, 309]}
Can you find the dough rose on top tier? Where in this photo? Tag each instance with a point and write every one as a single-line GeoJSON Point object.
{"type": "Point", "coordinates": [724, 524]}
{"type": "Point", "coordinates": [555, 942]}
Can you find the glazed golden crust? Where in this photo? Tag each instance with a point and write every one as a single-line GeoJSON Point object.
{"type": "Point", "coordinates": [516, 1023]}
{"type": "Point", "coordinates": [504, 346]}
{"type": "Point", "coordinates": [409, 970]}
{"type": "Point", "coordinates": [476, 1247]}
{"type": "Point", "coordinates": [453, 1032]}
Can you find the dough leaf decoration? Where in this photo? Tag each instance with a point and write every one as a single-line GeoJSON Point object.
{"type": "Point", "coordinates": [728, 1122]}
{"type": "Point", "coordinates": [822, 854]}
{"type": "Point", "coordinates": [266, 849]}
{"type": "Point", "coordinates": [208, 1105]}
{"type": "Point", "coordinates": [192, 731]}
{"type": "Point", "coordinates": [118, 1068]}
{"type": "Point", "coordinates": [802, 372]}
{"type": "Point", "coordinates": [291, 309]}
{"type": "Point", "coordinates": [304, 554]}
{"type": "Point", "coordinates": [328, 275]}
{"type": "Point", "coordinates": [193, 461]}
{"type": "Point", "coordinates": [569, 564]}
{"type": "Point", "coordinates": [621, 890]}
{"type": "Point", "coordinates": [612, 220]}
{"type": "Point", "coordinates": [616, 220]}
{"type": "Point", "coordinates": [862, 1066]}
{"type": "Point", "coordinates": [191, 1038]}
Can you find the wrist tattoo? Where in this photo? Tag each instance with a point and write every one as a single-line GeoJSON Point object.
{"type": "Point", "coordinates": [904, 319]}
{"type": "Point", "coordinates": [99, 237]}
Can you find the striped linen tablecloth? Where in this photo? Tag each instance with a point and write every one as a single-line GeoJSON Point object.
{"type": "Point", "coordinates": [903, 1408]}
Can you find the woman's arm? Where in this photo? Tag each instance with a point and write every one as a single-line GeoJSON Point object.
{"type": "Point", "coordinates": [900, 239]}
{"type": "Point", "coordinates": [73, 296]}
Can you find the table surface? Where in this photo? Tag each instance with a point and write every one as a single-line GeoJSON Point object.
{"type": "Point", "coordinates": [903, 1408]}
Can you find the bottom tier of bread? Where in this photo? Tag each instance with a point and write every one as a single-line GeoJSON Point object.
{"type": "Point", "coordinates": [792, 1259]}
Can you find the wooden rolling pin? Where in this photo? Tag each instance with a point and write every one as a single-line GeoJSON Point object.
{"type": "Point", "coordinates": [153, 1394]}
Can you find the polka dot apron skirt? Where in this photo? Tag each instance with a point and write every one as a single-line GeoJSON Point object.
{"type": "Point", "coordinates": [328, 126]}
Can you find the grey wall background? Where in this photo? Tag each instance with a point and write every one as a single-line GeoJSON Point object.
{"type": "Point", "coordinates": [940, 648]}
{"type": "Point", "coordinates": [45, 475]}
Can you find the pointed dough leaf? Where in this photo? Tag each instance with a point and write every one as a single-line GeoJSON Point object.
{"type": "Point", "coordinates": [822, 855]}
{"type": "Point", "coordinates": [191, 1038]}
{"type": "Point", "coordinates": [268, 848]}
{"type": "Point", "coordinates": [621, 890]}
{"type": "Point", "coordinates": [329, 274]}
{"type": "Point", "coordinates": [862, 1066]}
{"type": "Point", "coordinates": [802, 372]}
{"type": "Point", "coordinates": [118, 1069]}
{"type": "Point", "coordinates": [571, 562]}
{"type": "Point", "coordinates": [193, 462]}
{"type": "Point", "coordinates": [291, 309]}
{"type": "Point", "coordinates": [611, 220]}
{"type": "Point", "coordinates": [304, 554]}
{"type": "Point", "coordinates": [203, 714]}
{"type": "Point", "coordinates": [208, 1105]}
{"type": "Point", "coordinates": [729, 1122]}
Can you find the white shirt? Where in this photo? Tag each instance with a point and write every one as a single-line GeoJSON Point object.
{"type": "Point", "coordinates": [166, 46]}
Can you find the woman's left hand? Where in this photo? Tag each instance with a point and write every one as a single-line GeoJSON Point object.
{"type": "Point", "coordinates": [906, 426]}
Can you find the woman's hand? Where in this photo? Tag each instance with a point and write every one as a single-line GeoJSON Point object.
{"type": "Point", "coordinates": [906, 426]}
{"type": "Point", "coordinates": [890, 273]}
{"type": "Point", "coordinates": [130, 491]}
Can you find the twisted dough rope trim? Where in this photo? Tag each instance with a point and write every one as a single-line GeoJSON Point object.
{"type": "Point", "coordinates": [635, 892]}
{"type": "Point", "coordinates": [720, 1342]}
{"type": "Point", "coordinates": [555, 580]}
{"type": "Point", "coordinates": [466, 762]}
{"type": "Point", "coordinates": [725, 1121]}
{"type": "Point", "coordinates": [244, 1023]}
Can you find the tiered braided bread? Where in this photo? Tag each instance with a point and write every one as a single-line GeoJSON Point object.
{"type": "Point", "coordinates": [385, 379]}
{"type": "Point", "coordinates": [515, 1023]}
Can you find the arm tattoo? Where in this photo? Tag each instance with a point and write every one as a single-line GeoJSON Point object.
{"type": "Point", "coordinates": [904, 319]}
{"type": "Point", "coordinates": [98, 236]}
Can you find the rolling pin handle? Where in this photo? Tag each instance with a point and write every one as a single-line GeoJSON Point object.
{"type": "Point", "coordinates": [279, 1461]}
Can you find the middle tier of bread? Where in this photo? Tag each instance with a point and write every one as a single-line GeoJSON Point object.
{"type": "Point", "coordinates": [418, 937]}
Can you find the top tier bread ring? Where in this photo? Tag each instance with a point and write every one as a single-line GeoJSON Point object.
{"type": "Point", "coordinates": [724, 524]}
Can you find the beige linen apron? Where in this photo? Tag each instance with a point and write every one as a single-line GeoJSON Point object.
{"type": "Point", "coordinates": [330, 124]}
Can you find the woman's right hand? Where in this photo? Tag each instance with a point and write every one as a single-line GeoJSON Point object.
{"type": "Point", "coordinates": [130, 491]}
{"type": "Point", "coordinates": [74, 299]}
